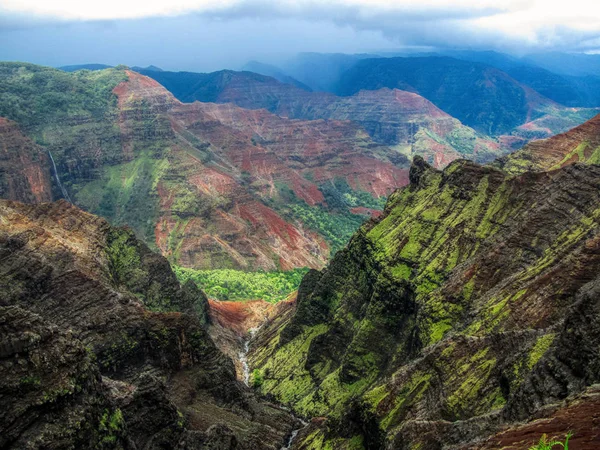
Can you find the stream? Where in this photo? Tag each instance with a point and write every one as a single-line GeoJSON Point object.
{"type": "Point", "coordinates": [246, 371]}
{"type": "Point", "coordinates": [62, 188]}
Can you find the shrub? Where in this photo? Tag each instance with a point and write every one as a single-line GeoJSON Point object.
{"type": "Point", "coordinates": [257, 378]}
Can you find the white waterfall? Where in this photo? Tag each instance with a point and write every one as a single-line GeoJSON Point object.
{"type": "Point", "coordinates": [62, 188]}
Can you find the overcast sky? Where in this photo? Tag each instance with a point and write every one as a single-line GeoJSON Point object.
{"type": "Point", "coordinates": [211, 34]}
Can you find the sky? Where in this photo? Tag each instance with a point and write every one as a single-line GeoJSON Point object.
{"type": "Point", "coordinates": [204, 35]}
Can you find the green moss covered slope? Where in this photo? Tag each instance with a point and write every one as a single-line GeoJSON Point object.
{"type": "Point", "coordinates": [450, 309]}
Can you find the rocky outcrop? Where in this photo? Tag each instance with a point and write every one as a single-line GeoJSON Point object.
{"type": "Point", "coordinates": [25, 169]}
{"type": "Point", "coordinates": [101, 346]}
{"type": "Point", "coordinates": [467, 308]}
{"type": "Point", "coordinates": [52, 392]}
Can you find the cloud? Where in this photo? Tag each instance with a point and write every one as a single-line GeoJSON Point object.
{"type": "Point", "coordinates": [513, 25]}
{"type": "Point", "coordinates": [133, 9]}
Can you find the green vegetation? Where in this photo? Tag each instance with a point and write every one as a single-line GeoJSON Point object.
{"type": "Point", "coordinates": [123, 257]}
{"type": "Point", "coordinates": [37, 96]}
{"type": "Point", "coordinates": [125, 193]}
{"type": "Point", "coordinates": [340, 196]}
{"type": "Point", "coordinates": [227, 284]}
{"type": "Point", "coordinates": [546, 444]}
{"type": "Point", "coordinates": [111, 425]}
{"type": "Point", "coordinates": [334, 222]}
{"type": "Point", "coordinates": [337, 229]}
{"type": "Point", "coordinates": [539, 349]}
{"type": "Point", "coordinates": [257, 378]}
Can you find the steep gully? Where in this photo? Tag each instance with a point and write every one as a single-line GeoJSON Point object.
{"type": "Point", "coordinates": [246, 376]}
{"type": "Point", "coordinates": [234, 327]}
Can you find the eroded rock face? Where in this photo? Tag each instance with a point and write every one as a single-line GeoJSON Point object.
{"type": "Point", "coordinates": [451, 317]}
{"type": "Point", "coordinates": [210, 186]}
{"type": "Point", "coordinates": [25, 169]}
{"type": "Point", "coordinates": [101, 346]}
{"type": "Point", "coordinates": [581, 144]}
{"type": "Point", "coordinates": [43, 367]}
{"type": "Point", "coordinates": [393, 117]}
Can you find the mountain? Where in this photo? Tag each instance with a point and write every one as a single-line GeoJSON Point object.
{"type": "Point", "coordinates": [210, 186]}
{"type": "Point", "coordinates": [149, 68]}
{"type": "Point", "coordinates": [462, 317]}
{"type": "Point", "coordinates": [568, 90]}
{"type": "Point", "coordinates": [321, 71]}
{"type": "Point", "coordinates": [574, 64]}
{"type": "Point", "coordinates": [274, 72]}
{"type": "Point", "coordinates": [480, 96]}
{"type": "Point", "coordinates": [103, 348]}
{"type": "Point", "coordinates": [581, 144]}
{"type": "Point", "coordinates": [404, 120]}
{"type": "Point", "coordinates": [76, 67]}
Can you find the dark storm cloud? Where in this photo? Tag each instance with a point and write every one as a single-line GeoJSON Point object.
{"type": "Point", "coordinates": [265, 29]}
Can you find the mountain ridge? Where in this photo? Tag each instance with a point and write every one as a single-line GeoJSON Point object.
{"type": "Point", "coordinates": [397, 118]}
{"type": "Point", "coordinates": [479, 95]}
{"type": "Point", "coordinates": [456, 315]}
{"type": "Point", "coordinates": [107, 349]}
{"type": "Point", "coordinates": [211, 186]}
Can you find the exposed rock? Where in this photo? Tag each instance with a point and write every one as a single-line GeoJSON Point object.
{"type": "Point", "coordinates": [581, 144]}
{"type": "Point", "coordinates": [392, 117]}
{"type": "Point", "coordinates": [210, 186]}
{"type": "Point", "coordinates": [80, 299]}
{"type": "Point", "coordinates": [467, 307]}
{"type": "Point", "coordinates": [25, 171]}
{"type": "Point", "coordinates": [52, 395]}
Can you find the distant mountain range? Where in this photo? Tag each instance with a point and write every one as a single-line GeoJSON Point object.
{"type": "Point", "coordinates": [76, 67]}
{"type": "Point", "coordinates": [406, 121]}
{"type": "Point", "coordinates": [481, 96]}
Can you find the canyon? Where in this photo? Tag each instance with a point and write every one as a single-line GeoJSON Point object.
{"type": "Point", "coordinates": [463, 316]}
{"type": "Point", "coordinates": [403, 120]}
{"type": "Point", "coordinates": [210, 186]}
{"type": "Point", "coordinates": [462, 312]}
{"type": "Point", "coordinates": [103, 348]}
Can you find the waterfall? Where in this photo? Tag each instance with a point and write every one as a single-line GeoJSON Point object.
{"type": "Point", "coordinates": [244, 361]}
{"type": "Point", "coordinates": [62, 188]}
{"type": "Point", "coordinates": [294, 434]}
{"type": "Point", "coordinates": [246, 372]}
{"type": "Point", "coordinates": [244, 354]}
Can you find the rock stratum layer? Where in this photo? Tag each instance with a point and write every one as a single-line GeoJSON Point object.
{"type": "Point", "coordinates": [479, 95]}
{"type": "Point", "coordinates": [468, 309]}
{"type": "Point", "coordinates": [25, 169]}
{"type": "Point", "coordinates": [403, 120]}
{"type": "Point", "coordinates": [102, 348]}
{"type": "Point", "coordinates": [210, 186]}
{"type": "Point", "coordinates": [581, 144]}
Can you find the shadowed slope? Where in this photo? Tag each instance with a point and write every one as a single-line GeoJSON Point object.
{"type": "Point", "coordinates": [102, 348]}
